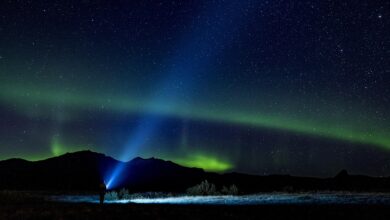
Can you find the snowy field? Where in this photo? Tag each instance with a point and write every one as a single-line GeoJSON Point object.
{"type": "Point", "coordinates": [257, 199]}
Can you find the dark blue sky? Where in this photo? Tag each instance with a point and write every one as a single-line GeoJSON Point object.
{"type": "Point", "coordinates": [298, 87]}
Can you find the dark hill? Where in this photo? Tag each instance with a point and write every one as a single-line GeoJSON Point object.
{"type": "Point", "coordinates": [84, 170]}
{"type": "Point", "coordinates": [79, 170]}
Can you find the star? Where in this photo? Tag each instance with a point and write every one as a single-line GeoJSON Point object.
{"type": "Point", "coordinates": [253, 97]}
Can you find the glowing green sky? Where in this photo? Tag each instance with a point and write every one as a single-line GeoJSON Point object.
{"type": "Point", "coordinates": [25, 98]}
{"type": "Point", "coordinates": [204, 161]}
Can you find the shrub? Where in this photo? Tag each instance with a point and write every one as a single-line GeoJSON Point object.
{"type": "Point", "coordinates": [150, 195]}
{"type": "Point", "coordinates": [204, 188]}
{"type": "Point", "coordinates": [123, 194]}
{"type": "Point", "coordinates": [19, 196]}
{"type": "Point", "coordinates": [231, 190]}
{"type": "Point", "coordinates": [111, 195]}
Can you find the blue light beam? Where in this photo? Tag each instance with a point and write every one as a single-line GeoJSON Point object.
{"type": "Point", "coordinates": [212, 30]}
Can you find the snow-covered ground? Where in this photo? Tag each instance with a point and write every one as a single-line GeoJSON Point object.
{"type": "Point", "coordinates": [257, 199]}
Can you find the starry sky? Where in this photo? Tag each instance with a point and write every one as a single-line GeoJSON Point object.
{"type": "Point", "coordinates": [254, 86]}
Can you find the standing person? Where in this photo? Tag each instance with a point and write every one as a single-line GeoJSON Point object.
{"type": "Point", "coordinates": [102, 191]}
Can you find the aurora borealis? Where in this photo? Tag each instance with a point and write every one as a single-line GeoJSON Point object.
{"type": "Point", "coordinates": [263, 87]}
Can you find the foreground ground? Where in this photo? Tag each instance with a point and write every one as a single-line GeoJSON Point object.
{"type": "Point", "coordinates": [133, 211]}
{"type": "Point", "coordinates": [30, 207]}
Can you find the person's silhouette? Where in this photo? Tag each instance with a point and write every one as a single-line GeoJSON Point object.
{"type": "Point", "coordinates": [102, 192]}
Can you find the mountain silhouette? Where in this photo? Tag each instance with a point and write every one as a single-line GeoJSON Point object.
{"type": "Point", "coordinates": [84, 170]}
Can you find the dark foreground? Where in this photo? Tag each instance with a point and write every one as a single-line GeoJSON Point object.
{"type": "Point", "coordinates": [137, 211]}
{"type": "Point", "coordinates": [26, 206]}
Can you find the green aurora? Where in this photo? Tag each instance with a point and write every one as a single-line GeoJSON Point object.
{"type": "Point", "coordinates": [204, 161]}
{"type": "Point", "coordinates": [25, 98]}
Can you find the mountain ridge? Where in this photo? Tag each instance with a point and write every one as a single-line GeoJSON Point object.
{"type": "Point", "coordinates": [84, 170]}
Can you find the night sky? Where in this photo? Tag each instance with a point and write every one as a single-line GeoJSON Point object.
{"type": "Point", "coordinates": [261, 87]}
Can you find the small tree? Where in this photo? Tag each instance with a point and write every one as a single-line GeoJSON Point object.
{"type": "Point", "coordinates": [123, 194]}
{"type": "Point", "coordinates": [231, 190]}
{"type": "Point", "coordinates": [204, 188]}
{"type": "Point", "coordinates": [225, 190]}
{"type": "Point", "coordinates": [112, 195]}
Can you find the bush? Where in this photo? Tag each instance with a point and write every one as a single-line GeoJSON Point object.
{"type": "Point", "coordinates": [232, 190]}
{"type": "Point", "coordinates": [111, 195]}
{"type": "Point", "coordinates": [150, 195]}
{"type": "Point", "coordinates": [204, 188]}
{"type": "Point", "coordinates": [7, 196]}
{"type": "Point", "coordinates": [123, 194]}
